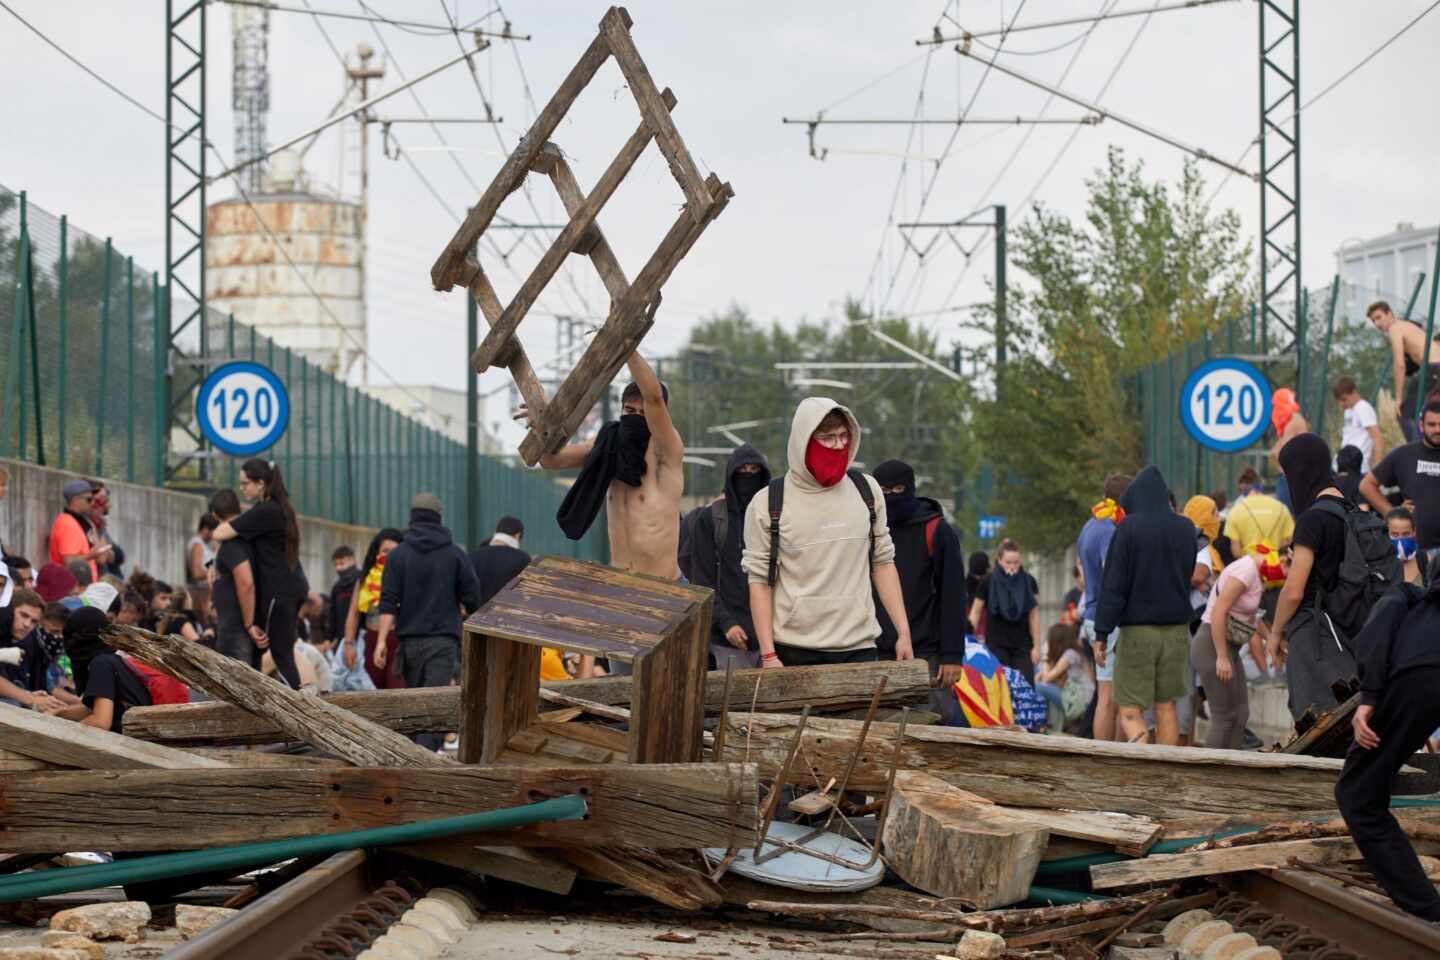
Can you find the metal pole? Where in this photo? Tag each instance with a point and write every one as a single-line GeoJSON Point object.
{"type": "Point", "coordinates": [1001, 305]}
{"type": "Point", "coordinates": [1071, 21]}
{"type": "Point", "coordinates": [1429, 336]}
{"type": "Point", "coordinates": [159, 306]}
{"type": "Point", "coordinates": [34, 352]}
{"type": "Point", "coordinates": [304, 432]}
{"type": "Point", "coordinates": [130, 368]}
{"type": "Point", "coordinates": [60, 359]}
{"type": "Point", "coordinates": [472, 426]}
{"type": "Point", "coordinates": [100, 404]}
{"type": "Point", "coordinates": [1325, 357]}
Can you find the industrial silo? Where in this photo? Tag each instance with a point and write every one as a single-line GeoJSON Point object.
{"type": "Point", "coordinates": [289, 262]}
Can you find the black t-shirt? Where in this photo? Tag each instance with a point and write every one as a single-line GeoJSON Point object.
{"type": "Point", "coordinates": [1415, 469]}
{"type": "Point", "coordinates": [263, 527]}
{"type": "Point", "coordinates": [112, 679]}
{"type": "Point", "coordinates": [226, 601]}
{"type": "Point", "coordinates": [1323, 533]}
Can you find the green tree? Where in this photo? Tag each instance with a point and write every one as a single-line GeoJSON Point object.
{"type": "Point", "coordinates": [1148, 268]}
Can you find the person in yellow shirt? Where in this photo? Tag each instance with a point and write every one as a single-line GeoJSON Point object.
{"type": "Point", "coordinates": [1256, 517]}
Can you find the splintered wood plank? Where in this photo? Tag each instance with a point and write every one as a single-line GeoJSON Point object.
{"type": "Point", "coordinates": [429, 709]}
{"type": "Point", "coordinates": [663, 880]}
{"type": "Point", "coordinates": [657, 806]}
{"type": "Point", "coordinates": [616, 28]}
{"type": "Point", "coordinates": [510, 682]}
{"type": "Point", "coordinates": [51, 740]}
{"type": "Point", "coordinates": [955, 845]}
{"type": "Point", "coordinates": [497, 339]}
{"type": "Point", "coordinates": [1133, 836]}
{"type": "Point", "coordinates": [625, 326]}
{"type": "Point", "coordinates": [1261, 856]}
{"type": "Point", "coordinates": [302, 717]}
{"type": "Point", "coordinates": [1031, 770]}
{"type": "Point", "coordinates": [531, 868]}
{"type": "Point", "coordinates": [452, 259]}
{"type": "Point", "coordinates": [521, 370]}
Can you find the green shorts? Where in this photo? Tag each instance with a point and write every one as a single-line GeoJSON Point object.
{"type": "Point", "coordinates": [1151, 665]}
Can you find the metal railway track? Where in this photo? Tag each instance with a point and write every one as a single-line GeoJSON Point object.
{"type": "Point", "coordinates": [334, 909]}
{"type": "Point", "coordinates": [1307, 917]}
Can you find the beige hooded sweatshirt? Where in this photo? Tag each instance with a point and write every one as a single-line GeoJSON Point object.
{"type": "Point", "coordinates": [823, 599]}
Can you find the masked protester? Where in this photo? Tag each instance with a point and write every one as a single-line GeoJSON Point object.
{"type": "Point", "coordinates": [932, 578]}
{"type": "Point", "coordinates": [815, 544]}
{"type": "Point", "coordinates": [716, 548]}
{"type": "Point", "coordinates": [1304, 637]}
{"type": "Point", "coordinates": [1400, 523]}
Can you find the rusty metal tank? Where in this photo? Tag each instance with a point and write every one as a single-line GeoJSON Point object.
{"type": "Point", "coordinates": [249, 272]}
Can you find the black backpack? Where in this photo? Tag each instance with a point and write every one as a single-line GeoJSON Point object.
{"type": "Point", "coordinates": [777, 503]}
{"type": "Point", "coordinates": [1369, 568]}
{"type": "Point", "coordinates": [720, 517]}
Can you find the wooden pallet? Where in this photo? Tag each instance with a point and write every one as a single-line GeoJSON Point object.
{"type": "Point", "coordinates": [632, 305]}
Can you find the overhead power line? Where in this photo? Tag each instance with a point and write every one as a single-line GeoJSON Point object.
{"type": "Point", "coordinates": [937, 38]}
{"type": "Point", "coordinates": [1136, 125]}
{"type": "Point", "coordinates": [435, 29]}
{"type": "Point", "coordinates": [1090, 118]}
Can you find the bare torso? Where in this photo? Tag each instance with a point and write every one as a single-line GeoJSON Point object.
{"type": "Point", "coordinates": [644, 521]}
{"type": "Point", "coordinates": [1411, 338]}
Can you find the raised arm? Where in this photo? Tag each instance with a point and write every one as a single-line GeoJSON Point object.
{"type": "Point", "coordinates": [1397, 363]}
{"type": "Point", "coordinates": [668, 446]}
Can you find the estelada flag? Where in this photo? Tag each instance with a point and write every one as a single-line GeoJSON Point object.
{"type": "Point", "coordinates": [982, 689]}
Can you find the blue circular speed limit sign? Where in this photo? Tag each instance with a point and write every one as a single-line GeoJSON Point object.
{"type": "Point", "coordinates": [1225, 404]}
{"type": "Point", "coordinates": [242, 408]}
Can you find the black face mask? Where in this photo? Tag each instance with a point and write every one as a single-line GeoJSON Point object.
{"type": "Point", "coordinates": [747, 485]}
{"type": "Point", "coordinates": [900, 507]}
{"type": "Point", "coordinates": [634, 441]}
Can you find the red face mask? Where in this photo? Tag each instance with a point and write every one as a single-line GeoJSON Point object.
{"type": "Point", "coordinates": [827, 466]}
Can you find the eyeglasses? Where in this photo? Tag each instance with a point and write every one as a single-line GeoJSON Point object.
{"type": "Point", "coordinates": [838, 438]}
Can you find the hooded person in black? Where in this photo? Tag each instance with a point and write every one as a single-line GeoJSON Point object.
{"type": "Point", "coordinates": [1146, 589]}
{"type": "Point", "coordinates": [1313, 648]}
{"type": "Point", "coordinates": [715, 559]}
{"type": "Point", "coordinates": [1399, 666]}
{"type": "Point", "coordinates": [427, 580]}
{"type": "Point", "coordinates": [932, 579]}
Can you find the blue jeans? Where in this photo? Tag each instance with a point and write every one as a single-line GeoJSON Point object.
{"type": "Point", "coordinates": [1055, 698]}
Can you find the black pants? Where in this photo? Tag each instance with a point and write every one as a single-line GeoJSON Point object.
{"type": "Point", "coordinates": [429, 662]}
{"type": "Point", "coordinates": [280, 619]}
{"type": "Point", "coordinates": [805, 657]}
{"type": "Point", "coordinates": [1017, 658]}
{"type": "Point", "coordinates": [1408, 712]}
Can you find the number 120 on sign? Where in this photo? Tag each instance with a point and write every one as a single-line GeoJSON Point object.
{"type": "Point", "coordinates": [1225, 404]}
{"type": "Point", "coordinates": [242, 408]}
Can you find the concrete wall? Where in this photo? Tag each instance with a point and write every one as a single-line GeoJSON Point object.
{"type": "Point", "coordinates": [152, 525]}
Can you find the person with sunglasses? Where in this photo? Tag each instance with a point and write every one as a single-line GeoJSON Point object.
{"type": "Point", "coordinates": [72, 535]}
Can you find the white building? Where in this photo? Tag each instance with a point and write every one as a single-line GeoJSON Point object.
{"type": "Point", "coordinates": [1386, 268]}
{"type": "Point", "coordinates": [439, 408]}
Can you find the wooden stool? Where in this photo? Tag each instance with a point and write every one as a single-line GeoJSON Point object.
{"type": "Point", "coordinates": [660, 626]}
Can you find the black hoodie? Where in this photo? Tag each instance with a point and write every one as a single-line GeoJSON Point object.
{"type": "Point", "coordinates": [1399, 635]}
{"type": "Point", "coordinates": [933, 582]}
{"type": "Point", "coordinates": [720, 568]}
{"type": "Point", "coordinates": [340, 594]}
{"type": "Point", "coordinates": [1150, 561]}
{"type": "Point", "coordinates": [427, 580]}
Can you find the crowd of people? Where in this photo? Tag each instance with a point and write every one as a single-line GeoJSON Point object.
{"type": "Point", "coordinates": [1321, 577]}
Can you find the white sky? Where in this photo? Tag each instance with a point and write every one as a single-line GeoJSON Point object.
{"type": "Point", "coordinates": [800, 235]}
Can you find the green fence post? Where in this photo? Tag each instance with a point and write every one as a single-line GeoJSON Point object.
{"type": "Point", "coordinates": [1302, 336]}
{"type": "Point", "coordinates": [1325, 357]}
{"type": "Point", "coordinates": [160, 303]}
{"type": "Point", "coordinates": [1429, 336]}
{"type": "Point", "coordinates": [335, 512]}
{"type": "Point", "coordinates": [130, 368]}
{"type": "Point", "coordinates": [290, 427]}
{"type": "Point", "coordinates": [305, 431]}
{"type": "Point", "coordinates": [104, 369]}
{"type": "Point", "coordinates": [63, 280]}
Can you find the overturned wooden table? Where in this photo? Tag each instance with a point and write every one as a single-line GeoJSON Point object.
{"type": "Point", "coordinates": [659, 626]}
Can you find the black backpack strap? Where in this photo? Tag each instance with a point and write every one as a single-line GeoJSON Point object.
{"type": "Point", "coordinates": [857, 477]}
{"type": "Point", "coordinates": [776, 496]}
{"type": "Point", "coordinates": [720, 527]}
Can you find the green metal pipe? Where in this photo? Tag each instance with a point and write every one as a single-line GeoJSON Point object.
{"type": "Point", "coordinates": [101, 406]}
{"type": "Point", "coordinates": [130, 368]}
{"type": "Point", "coordinates": [1059, 868]}
{"type": "Point", "coordinates": [44, 883]}
{"type": "Point", "coordinates": [63, 283]}
{"type": "Point", "coordinates": [1325, 356]}
{"type": "Point", "coordinates": [1429, 337]}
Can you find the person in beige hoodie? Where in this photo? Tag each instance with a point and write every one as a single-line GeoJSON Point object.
{"type": "Point", "coordinates": [820, 608]}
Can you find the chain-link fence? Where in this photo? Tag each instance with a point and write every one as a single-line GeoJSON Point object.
{"type": "Point", "coordinates": [87, 381]}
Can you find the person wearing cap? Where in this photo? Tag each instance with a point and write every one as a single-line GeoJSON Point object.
{"type": "Point", "coordinates": [72, 534]}
{"type": "Point", "coordinates": [427, 580]}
